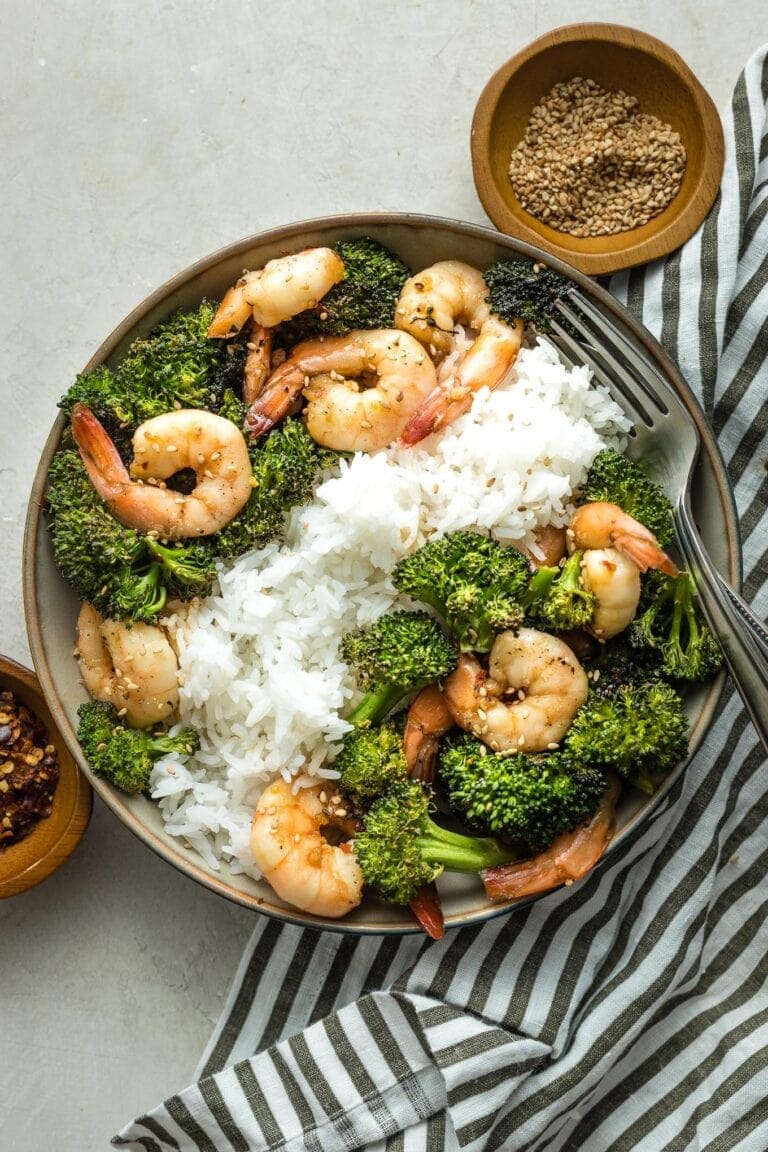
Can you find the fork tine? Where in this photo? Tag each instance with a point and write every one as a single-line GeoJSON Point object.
{"type": "Point", "coordinates": [566, 345]}
{"type": "Point", "coordinates": [654, 386]}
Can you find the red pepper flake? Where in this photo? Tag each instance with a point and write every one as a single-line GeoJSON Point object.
{"type": "Point", "coordinates": [29, 770]}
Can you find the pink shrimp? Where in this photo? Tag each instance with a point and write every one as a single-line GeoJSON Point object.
{"type": "Point", "coordinates": [602, 525]}
{"type": "Point", "coordinates": [567, 859]}
{"type": "Point", "coordinates": [341, 412]}
{"type": "Point", "coordinates": [428, 719]}
{"type": "Point", "coordinates": [485, 365]}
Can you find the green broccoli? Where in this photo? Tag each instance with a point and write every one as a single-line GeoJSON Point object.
{"type": "Point", "coordinates": [126, 755]}
{"type": "Point", "coordinates": [672, 626]}
{"type": "Point", "coordinates": [285, 466]}
{"type": "Point", "coordinates": [136, 594]}
{"type": "Point", "coordinates": [104, 562]}
{"type": "Point", "coordinates": [640, 731]}
{"type": "Point", "coordinates": [568, 604]}
{"type": "Point", "coordinates": [617, 664]}
{"type": "Point", "coordinates": [400, 848]}
{"type": "Point", "coordinates": [103, 391]}
{"type": "Point", "coordinates": [174, 366]}
{"type": "Point", "coordinates": [120, 571]}
{"type": "Point", "coordinates": [527, 798]}
{"type": "Point", "coordinates": [397, 654]}
{"type": "Point", "coordinates": [365, 298]}
{"type": "Point", "coordinates": [525, 290]}
{"type": "Point", "coordinates": [370, 761]}
{"type": "Point", "coordinates": [477, 585]}
{"type": "Point", "coordinates": [187, 569]}
{"type": "Point", "coordinates": [616, 479]}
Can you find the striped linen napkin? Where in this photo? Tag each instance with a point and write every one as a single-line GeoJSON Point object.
{"type": "Point", "coordinates": [629, 1011]}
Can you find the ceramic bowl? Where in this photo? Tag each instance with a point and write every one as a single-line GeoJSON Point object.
{"type": "Point", "coordinates": [614, 57]}
{"type": "Point", "coordinates": [53, 838]}
{"type": "Point", "coordinates": [52, 607]}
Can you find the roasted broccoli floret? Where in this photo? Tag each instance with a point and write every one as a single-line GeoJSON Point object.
{"type": "Point", "coordinates": [187, 569]}
{"type": "Point", "coordinates": [138, 594]}
{"type": "Point", "coordinates": [672, 626]}
{"type": "Point", "coordinates": [365, 298]}
{"type": "Point", "coordinates": [520, 288]}
{"type": "Point", "coordinates": [640, 731]}
{"type": "Point", "coordinates": [121, 572]}
{"type": "Point", "coordinates": [371, 761]}
{"type": "Point", "coordinates": [105, 393]}
{"type": "Point", "coordinates": [104, 562]}
{"type": "Point", "coordinates": [400, 848]}
{"type": "Point", "coordinates": [397, 654]}
{"type": "Point", "coordinates": [526, 798]}
{"type": "Point", "coordinates": [126, 755]}
{"type": "Point", "coordinates": [477, 585]}
{"type": "Point", "coordinates": [616, 479]}
{"type": "Point", "coordinates": [173, 366]}
{"type": "Point", "coordinates": [617, 664]}
{"type": "Point", "coordinates": [285, 466]}
{"type": "Point", "coordinates": [568, 604]}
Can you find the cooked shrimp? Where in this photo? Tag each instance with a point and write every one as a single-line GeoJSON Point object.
{"type": "Point", "coordinates": [431, 306]}
{"type": "Point", "coordinates": [485, 365]}
{"type": "Point", "coordinates": [281, 289]}
{"type": "Point", "coordinates": [549, 686]}
{"type": "Point", "coordinates": [615, 581]}
{"type": "Point", "coordinates": [257, 362]}
{"type": "Point", "coordinates": [428, 719]}
{"type": "Point", "coordinates": [568, 858]}
{"type": "Point", "coordinates": [601, 525]}
{"type": "Point", "coordinates": [341, 412]}
{"type": "Point", "coordinates": [133, 667]}
{"type": "Point", "coordinates": [290, 850]}
{"type": "Point", "coordinates": [434, 301]}
{"type": "Point", "coordinates": [190, 438]}
{"type": "Point", "coordinates": [549, 547]}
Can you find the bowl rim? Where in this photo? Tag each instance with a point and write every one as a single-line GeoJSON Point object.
{"type": "Point", "coordinates": [47, 845]}
{"type": "Point", "coordinates": [359, 221]}
{"type": "Point", "coordinates": [677, 230]}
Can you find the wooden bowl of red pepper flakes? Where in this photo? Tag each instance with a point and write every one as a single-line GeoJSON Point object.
{"type": "Point", "coordinates": [45, 801]}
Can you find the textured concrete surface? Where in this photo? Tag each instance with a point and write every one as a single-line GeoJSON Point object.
{"type": "Point", "coordinates": [136, 138]}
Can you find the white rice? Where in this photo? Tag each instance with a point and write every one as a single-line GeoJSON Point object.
{"type": "Point", "coordinates": [262, 681]}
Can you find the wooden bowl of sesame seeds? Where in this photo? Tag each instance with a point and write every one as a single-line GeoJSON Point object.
{"type": "Point", "coordinates": [40, 848]}
{"type": "Point", "coordinates": [597, 144]}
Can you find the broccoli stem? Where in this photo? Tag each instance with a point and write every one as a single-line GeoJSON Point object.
{"type": "Point", "coordinates": [538, 587]}
{"type": "Point", "coordinates": [374, 706]}
{"type": "Point", "coordinates": [460, 853]}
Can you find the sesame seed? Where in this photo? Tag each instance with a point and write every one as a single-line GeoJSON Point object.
{"type": "Point", "coordinates": [591, 164]}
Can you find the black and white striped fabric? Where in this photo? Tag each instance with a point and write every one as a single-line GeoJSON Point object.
{"type": "Point", "coordinates": [629, 1012]}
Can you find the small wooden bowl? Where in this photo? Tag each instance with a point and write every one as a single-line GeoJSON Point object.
{"type": "Point", "coordinates": [55, 837]}
{"type": "Point", "coordinates": [615, 58]}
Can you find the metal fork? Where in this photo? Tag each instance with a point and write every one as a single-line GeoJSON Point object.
{"type": "Point", "coordinates": [666, 437]}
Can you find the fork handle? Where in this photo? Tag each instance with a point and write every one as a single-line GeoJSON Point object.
{"type": "Point", "coordinates": [743, 637]}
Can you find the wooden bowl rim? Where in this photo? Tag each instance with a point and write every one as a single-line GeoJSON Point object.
{"type": "Point", "coordinates": [679, 229]}
{"type": "Point", "coordinates": [50, 842]}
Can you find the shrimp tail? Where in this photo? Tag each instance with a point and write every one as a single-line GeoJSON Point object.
{"type": "Point", "coordinates": [567, 859]}
{"type": "Point", "coordinates": [275, 402]}
{"type": "Point", "coordinates": [644, 553]}
{"type": "Point", "coordinates": [436, 410]}
{"type": "Point", "coordinates": [102, 461]}
{"type": "Point", "coordinates": [257, 361]}
{"type": "Point", "coordinates": [425, 906]}
{"type": "Point", "coordinates": [428, 719]}
{"type": "Point", "coordinates": [231, 314]}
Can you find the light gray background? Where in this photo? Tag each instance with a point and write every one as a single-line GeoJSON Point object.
{"type": "Point", "coordinates": [137, 137]}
